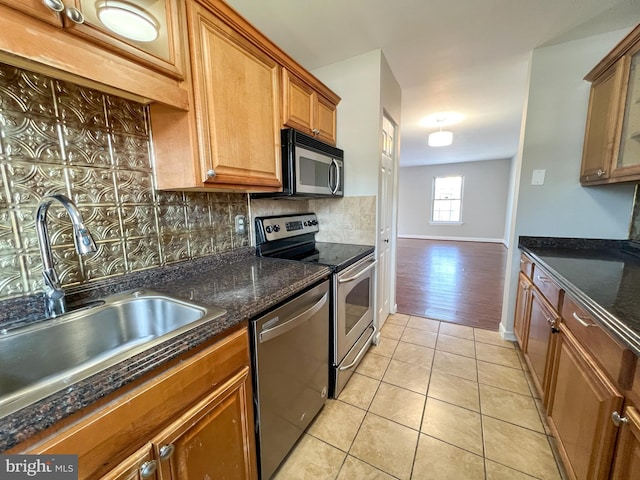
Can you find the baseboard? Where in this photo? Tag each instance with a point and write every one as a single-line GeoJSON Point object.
{"type": "Point", "coordinates": [507, 335]}
{"type": "Point", "coordinates": [455, 239]}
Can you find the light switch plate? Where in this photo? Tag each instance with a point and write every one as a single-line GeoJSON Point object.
{"type": "Point", "coordinates": [240, 224]}
{"type": "Point", "coordinates": [538, 177]}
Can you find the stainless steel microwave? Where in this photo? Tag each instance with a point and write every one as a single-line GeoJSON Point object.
{"type": "Point", "coordinates": [310, 168]}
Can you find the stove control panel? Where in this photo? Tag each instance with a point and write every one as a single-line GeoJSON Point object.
{"type": "Point", "coordinates": [279, 227]}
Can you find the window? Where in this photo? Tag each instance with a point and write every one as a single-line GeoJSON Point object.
{"type": "Point", "coordinates": [447, 200]}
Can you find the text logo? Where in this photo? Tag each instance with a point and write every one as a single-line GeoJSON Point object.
{"type": "Point", "coordinates": [50, 467]}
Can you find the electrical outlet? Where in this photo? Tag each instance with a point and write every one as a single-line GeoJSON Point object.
{"type": "Point", "coordinates": [240, 224]}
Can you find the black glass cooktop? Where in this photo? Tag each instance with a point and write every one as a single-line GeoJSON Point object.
{"type": "Point", "coordinates": [338, 255]}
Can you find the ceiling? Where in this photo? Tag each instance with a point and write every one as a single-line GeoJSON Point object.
{"type": "Point", "coordinates": [468, 56]}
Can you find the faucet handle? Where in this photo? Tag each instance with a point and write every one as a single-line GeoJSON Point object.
{"type": "Point", "coordinates": [83, 240]}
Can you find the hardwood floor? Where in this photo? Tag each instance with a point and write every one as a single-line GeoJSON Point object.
{"type": "Point", "coordinates": [459, 282]}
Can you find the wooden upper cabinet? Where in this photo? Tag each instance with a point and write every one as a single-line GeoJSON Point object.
{"type": "Point", "coordinates": [152, 41]}
{"type": "Point", "coordinates": [231, 137]}
{"type": "Point", "coordinates": [38, 9]}
{"type": "Point", "coordinates": [601, 131]}
{"type": "Point", "coordinates": [611, 152]}
{"type": "Point", "coordinates": [236, 96]}
{"type": "Point", "coordinates": [307, 110]}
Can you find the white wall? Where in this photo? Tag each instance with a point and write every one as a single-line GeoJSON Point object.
{"type": "Point", "coordinates": [357, 82]}
{"type": "Point", "coordinates": [553, 137]}
{"type": "Point", "coordinates": [484, 201]}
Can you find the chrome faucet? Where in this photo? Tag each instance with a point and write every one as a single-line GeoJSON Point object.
{"type": "Point", "coordinates": [54, 302]}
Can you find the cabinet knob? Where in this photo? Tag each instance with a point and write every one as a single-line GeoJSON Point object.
{"type": "Point", "coordinates": [617, 419]}
{"type": "Point", "coordinates": [211, 173]}
{"type": "Point", "coordinates": [166, 451]}
{"type": "Point", "coordinates": [74, 15]}
{"type": "Point", "coordinates": [601, 172]}
{"type": "Point", "coordinates": [55, 5]}
{"type": "Point", "coordinates": [147, 469]}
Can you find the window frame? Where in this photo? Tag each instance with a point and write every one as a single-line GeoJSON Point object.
{"type": "Point", "coordinates": [433, 200]}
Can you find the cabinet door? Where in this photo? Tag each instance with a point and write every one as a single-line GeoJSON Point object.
{"type": "Point", "coordinates": [542, 321]}
{"type": "Point", "coordinates": [38, 9]}
{"type": "Point", "coordinates": [298, 103]}
{"type": "Point", "coordinates": [139, 466]}
{"type": "Point", "coordinates": [146, 31]}
{"type": "Point", "coordinates": [325, 123]}
{"type": "Point", "coordinates": [628, 158]}
{"type": "Point", "coordinates": [214, 439]}
{"type": "Point", "coordinates": [626, 463]}
{"type": "Point", "coordinates": [605, 109]}
{"type": "Point", "coordinates": [580, 410]}
{"type": "Point", "coordinates": [521, 319]}
{"type": "Point", "coordinates": [237, 101]}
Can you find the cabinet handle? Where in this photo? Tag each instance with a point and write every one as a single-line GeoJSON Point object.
{"type": "Point", "coordinates": [147, 469]}
{"type": "Point", "coordinates": [544, 279]}
{"type": "Point", "coordinates": [601, 172]}
{"type": "Point", "coordinates": [55, 5]}
{"type": "Point", "coordinates": [211, 173]}
{"type": "Point", "coordinates": [74, 15]}
{"type": "Point", "coordinates": [166, 451]}
{"type": "Point", "coordinates": [315, 131]}
{"type": "Point", "coordinates": [617, 419]}
{"type": "Point", "coordinates": [581, 321]}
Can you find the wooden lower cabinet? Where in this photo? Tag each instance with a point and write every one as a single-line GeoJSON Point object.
{"type": "Point", "coordinates": [626, 463]}
{"type": "Point", "coordinates": [209, 440]}
{"type": "Point", "coordinates": [139, 466]}
{"type": "Point", "coordinates": [580, 408]}
{"type": "Point", "coordinates": [193, 420]}
{"type": "Point", "coordinates": [521, 319]}
{"type": "Point", "coordinates": [540, 343]}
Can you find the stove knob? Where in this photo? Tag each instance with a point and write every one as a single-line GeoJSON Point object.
{"type": "Point", "coordinates": [306, 224]}
{"type": "Point", "coordinates": [276, 228]}
{"type": "Point", "coordinates": [268, 229]}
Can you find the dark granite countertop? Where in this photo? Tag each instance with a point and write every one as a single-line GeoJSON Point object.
{"type": "Point", "coordinates": [241, 283]}
{"type": "Point", "coordinates": [602, 275]}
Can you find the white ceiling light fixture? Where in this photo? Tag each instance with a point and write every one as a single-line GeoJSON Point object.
{"type": "Point", "coordinates": [441, 138]}
{"type": "Point", "coordinates": [128, 20]}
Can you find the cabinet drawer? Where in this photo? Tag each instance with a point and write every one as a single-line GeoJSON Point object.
{"type": "Point", "coordinates": [526, 265]}
{"type": "Point", "coordinates": [547, 287]}
{"type": "Point", "coordinates": [614, 358]}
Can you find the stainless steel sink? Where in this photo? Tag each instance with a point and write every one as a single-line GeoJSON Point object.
{"type": "Point", "coordinates": [40, 359]}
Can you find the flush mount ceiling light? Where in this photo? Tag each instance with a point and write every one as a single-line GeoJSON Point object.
{"type": "Point", "coordinates": [441, 119]}
{"type": "Point", "coordinates": [441, 138]}
{"type": "Point", "coordinates": [128, 20]}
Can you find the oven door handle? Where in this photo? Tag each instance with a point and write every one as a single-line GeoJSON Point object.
{"type": "Point", "coordinates": [361, 352]}
{"type": "Point", "coordinates": [359, 274]}
{"type": "Point", "coordinates": [273, 332]}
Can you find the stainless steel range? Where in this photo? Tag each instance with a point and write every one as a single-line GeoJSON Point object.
{"type": "Point", "coordinates": [352, 286]}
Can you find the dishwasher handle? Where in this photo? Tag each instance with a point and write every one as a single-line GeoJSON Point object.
{"type": "Point", "coordinates": [281, 328]}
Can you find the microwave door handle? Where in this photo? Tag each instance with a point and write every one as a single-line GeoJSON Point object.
{"type": "Point", "coordinates": [334, 164]}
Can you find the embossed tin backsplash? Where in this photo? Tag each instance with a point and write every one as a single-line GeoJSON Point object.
{"type": "Point", "coordinates": [57, 137]}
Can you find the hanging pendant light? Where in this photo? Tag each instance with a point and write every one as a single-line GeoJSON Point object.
{"type": "Point", "coordinates": [128, 20]}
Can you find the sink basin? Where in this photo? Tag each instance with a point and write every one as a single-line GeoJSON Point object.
{"type": "Point", "coordinates": [40, 359]}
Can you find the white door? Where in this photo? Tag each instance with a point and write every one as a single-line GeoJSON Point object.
{"type": "Point", "coordinates": [385, 220]}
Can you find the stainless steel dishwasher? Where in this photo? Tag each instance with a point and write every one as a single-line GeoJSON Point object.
{"type": "Point", "coordinates": [291, 372]}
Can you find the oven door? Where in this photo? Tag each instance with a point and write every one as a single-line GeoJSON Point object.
{"type": "Point", "coordinates": [354, 305]}
{"type": "Point", "coordinates": [317, 173]}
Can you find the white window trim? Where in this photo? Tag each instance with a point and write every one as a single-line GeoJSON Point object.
{"type": "Point", "coordinates": [433, 194]}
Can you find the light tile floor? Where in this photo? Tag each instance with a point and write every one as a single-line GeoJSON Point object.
{"type": "Point", "coordinates": [433, 400]}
